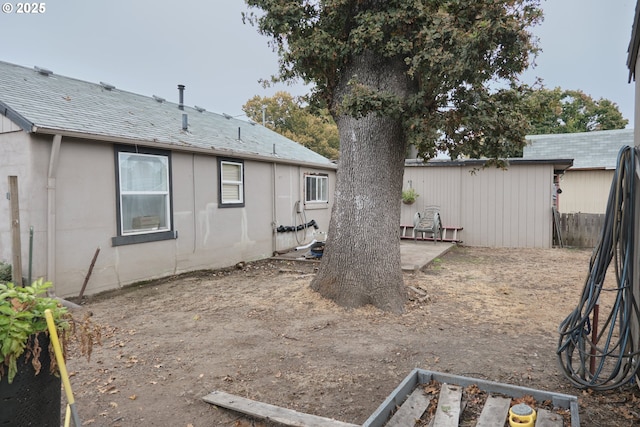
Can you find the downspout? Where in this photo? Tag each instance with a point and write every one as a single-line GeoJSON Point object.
{"type": "Point", "coordinates": [51, 221]}
{"type": "Point", "coordinates": [51, 208]}
{"type": "Point", "coordinates": [274, 216]}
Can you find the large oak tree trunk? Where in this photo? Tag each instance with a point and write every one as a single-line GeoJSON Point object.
{"type": "Point", "coordinates": [361, 261]}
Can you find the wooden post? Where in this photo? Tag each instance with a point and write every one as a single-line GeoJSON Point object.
{"type": "Point", "coordinates": [16, 249]}
{"type": "Point", "coordinates": [86, 279]}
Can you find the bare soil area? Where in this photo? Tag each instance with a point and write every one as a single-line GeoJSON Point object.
{"type": "Point", "coordinates": [259, 332]}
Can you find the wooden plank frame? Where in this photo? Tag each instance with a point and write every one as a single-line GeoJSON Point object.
{"type": "Point", "coordinates": [421, 376]}
{"type": "Point", "coordinates": [265, 411]}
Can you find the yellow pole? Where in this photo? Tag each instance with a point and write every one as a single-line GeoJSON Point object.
{"type": "Point", "coordinates": [53, 334]}
{"type": "Point", "coordinates": [67, 416]}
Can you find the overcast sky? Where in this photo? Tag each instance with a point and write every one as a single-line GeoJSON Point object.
{"type": "Point", "coordinates": [149, 47]}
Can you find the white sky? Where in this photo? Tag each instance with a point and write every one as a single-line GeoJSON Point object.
{"type": "Point", "coordinates": [149, 47]}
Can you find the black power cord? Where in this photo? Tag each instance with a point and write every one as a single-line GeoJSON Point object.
{"type": "Point", "coordinates": [606, 353]}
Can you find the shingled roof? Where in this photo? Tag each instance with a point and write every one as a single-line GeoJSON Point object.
{"type": "Point", "coordinates": [589, 150]}
{"type": "Point", "coordinates": [40, 101]}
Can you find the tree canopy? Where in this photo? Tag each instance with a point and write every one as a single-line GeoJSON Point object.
{"type": "Point", "coordinates": [438, 74]}
{"type": "Point", "coordinates": [568, 111]}
{"type": "Point", "coordinates": [454, 51]}
{"type": "Point", "coordinates": [289, 116]}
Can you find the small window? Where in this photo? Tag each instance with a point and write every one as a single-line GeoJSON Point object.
{"type": "Point", "coordinates": [231, 183]}
{"type": "Point", "coordinates": [144, 195]}
{"type": "Point", "coordinates": [316, 188]}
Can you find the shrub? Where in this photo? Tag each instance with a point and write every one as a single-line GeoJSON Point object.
{"type": "Point", "coordinates": [5, 272]}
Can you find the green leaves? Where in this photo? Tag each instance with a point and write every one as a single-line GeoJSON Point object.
{"type": "Point", "coordinates": [448, 48]}
{"type": "Point", "coordinates": [313, 128]}
{"type": "Point", "coordinates": [568, 111]}
{"type": "Point", "coordinates": [362, 100]}
{"type": "Point", "coordinates": [21, 316]}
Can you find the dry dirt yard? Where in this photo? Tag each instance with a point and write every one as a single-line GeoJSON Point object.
{"type": "Point", "coordinates": [261, 333]}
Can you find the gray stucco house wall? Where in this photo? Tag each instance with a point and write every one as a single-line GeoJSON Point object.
{"type": "Point", "coordinates": [160, 187]}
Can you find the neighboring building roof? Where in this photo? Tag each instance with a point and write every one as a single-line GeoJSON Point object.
{"type": "Point", "coordinates": [559, 165]}
{"type": "Point", "coordinates": [589, 150]}
{"type": "Point", "coordinates": [43, 102]}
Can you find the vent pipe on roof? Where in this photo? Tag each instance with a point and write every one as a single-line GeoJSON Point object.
{"type": "Point", "coordinates": [181, 97]}
{"type": "Point", "coordinates": [239, 139]}
{"type": "Point", "coordinates": [43, 71]}
{"type": "Point", "coordinates": [185, 122]}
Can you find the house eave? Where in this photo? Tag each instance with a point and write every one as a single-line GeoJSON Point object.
{"type": "Point", "coordinates": [634, 45]}
{"type": "Point", "coordinates": [177, 147]}
{"type": "Point", "coordinates": [559, 165]}
{"type": "Point", "coordinates": [16, 117]}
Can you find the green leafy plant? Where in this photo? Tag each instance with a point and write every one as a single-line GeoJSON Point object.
{"type": "Point", "coordinates": [409, 196]}
{"type": "Point", "coordinates": [5, 272]}
{"type": "Point", "coordinates": [22, 320]}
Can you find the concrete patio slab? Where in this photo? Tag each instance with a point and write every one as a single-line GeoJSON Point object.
{"type": "Point", "coordinates": [415, 255]}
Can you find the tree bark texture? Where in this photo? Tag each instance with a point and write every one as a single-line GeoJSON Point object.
{"type": "Point", "coordinates": [361, 262]}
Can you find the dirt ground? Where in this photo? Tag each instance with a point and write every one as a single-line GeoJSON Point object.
{"type": "Point", "coordinates": [261, 333]}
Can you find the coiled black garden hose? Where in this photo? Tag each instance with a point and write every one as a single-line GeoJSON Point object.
{"type": "Point", "coordinates": [610, 357]}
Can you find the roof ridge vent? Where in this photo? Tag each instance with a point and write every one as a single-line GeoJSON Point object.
{"type": "Point", "coordinates": [159, 98]}
{"type": "Point", "coordinates": [107, 86]}
{"type": "Point", "coordinates": [43, 71]}
{"type": "Point", "coordinates": [199, 109]}
{"type": "Point", "coordinates": [227, 116]}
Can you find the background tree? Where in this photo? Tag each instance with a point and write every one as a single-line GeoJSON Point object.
{"type": "Point", "coordinates": [289, 116]}
{"type": "Point", "coordinates": [569, 111]}
{"type": "Point", "coordinates": [398, 72]}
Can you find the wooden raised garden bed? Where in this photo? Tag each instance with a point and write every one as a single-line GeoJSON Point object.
{"type": "Point", "coordinates": [486, 403]}
{"type": "Point", "coordinates": [426, 398]}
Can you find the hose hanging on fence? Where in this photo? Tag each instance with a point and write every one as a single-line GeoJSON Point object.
{"type": "Point", "coordinates": [607, 358]}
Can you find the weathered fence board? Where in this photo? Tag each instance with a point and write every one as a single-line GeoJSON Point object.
{"type": "Point", "coordinates": [548, 419]}
{"type": "Point", "coordinates": [265, 411]}
{"type": "Point", "coordinates": [449, 406]}
{"type": "Point", "coordinates": [495, 411]}
{"type": "Point", "coordinates": [581, 230]}
{"type": "Point", "coordinates": [411, 410]}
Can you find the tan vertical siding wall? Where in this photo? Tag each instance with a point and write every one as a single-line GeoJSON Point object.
{"type": "Point", "coordinates": [436, 186]}
{"type": "Point", "coordinates": [497, 208]}
{"type": "Point", "coordinates": [509, 208]}
{"type": "Point", "coordinates": [585, 191]}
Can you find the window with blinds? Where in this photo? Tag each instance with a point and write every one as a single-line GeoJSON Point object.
{"type": "Point", "coordinates": [231, 183]}
{"type": "Point", "coordinates": [316, 188]}
{"type": "Point", "coordinates": [144, 193]}
{"type": "Point", "coordinates": [143, 199]}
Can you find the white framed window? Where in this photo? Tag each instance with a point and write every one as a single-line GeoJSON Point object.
{"type": "Point", "coordinates": [231, 182]}
{"type": "Point", "coordinates": [144, 195]}
{"type": "Point", "coordinates": [316, 188]}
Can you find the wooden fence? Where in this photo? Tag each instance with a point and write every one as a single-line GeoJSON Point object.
{"type": "Point", "coordinates": [580, 230]}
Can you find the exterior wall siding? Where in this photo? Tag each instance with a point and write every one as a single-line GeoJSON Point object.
{"type": "Point", "coordinates": [7, 125]}
{"type": "Point", "coordinates": [29, 162]}
{"type": "Point", "coordinates": [208, 236]}
{"type": "Point", "coordinates": [496, 208]}
{"type": "Point", "coordinates": [435, 186]}
{"type": "Point", "coordinates": [585, 191]}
